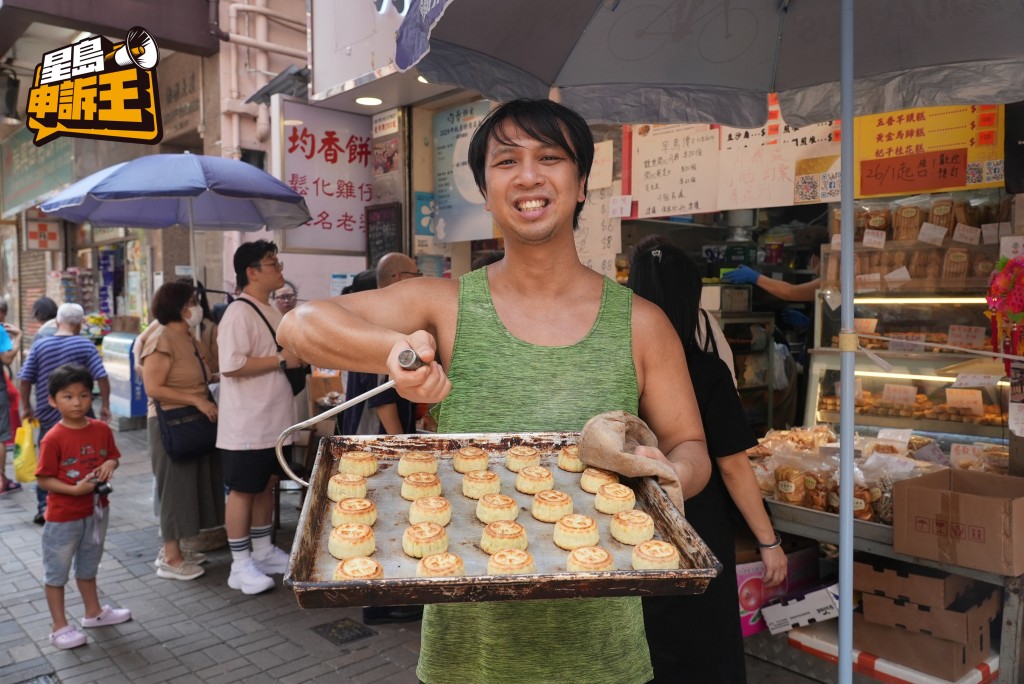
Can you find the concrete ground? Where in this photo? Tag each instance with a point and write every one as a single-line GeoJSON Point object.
{"type": "Point", "coordinates": [198, 631]}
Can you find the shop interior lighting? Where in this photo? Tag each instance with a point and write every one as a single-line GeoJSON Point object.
{"type": "Point", "coordinates": [369, 101]}
{"type": "Point", "coordinates": [422, 80]}
{"type": "Point", "coordinates": [293, 122]}
{"type": "Point", "coordinates": [911, 376]}
{"type": "Point", "coordinates": [918, 300]}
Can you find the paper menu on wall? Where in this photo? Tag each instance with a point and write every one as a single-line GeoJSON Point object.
{"type": "Point", "coordinates": [601, 171]}
{"type": "Point", "coordinates": [756, 177]}
{"type": "Point", "coordinates": [675, 169]}
{"type": "Point", "coordinates": [599, 238]}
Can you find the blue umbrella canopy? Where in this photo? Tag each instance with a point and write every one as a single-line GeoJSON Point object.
{"type": "Point", "coordinates": [188, 190]}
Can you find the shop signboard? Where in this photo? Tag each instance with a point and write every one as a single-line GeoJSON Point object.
{"type": "Point", "coordinates": [459, 213]}
{"type": "Point", "coordinates": [325, 156]}
{"type": "Point", "coordinates": [31, 173]}
{"type": "Point", "coordinates": [929, 149]}
{"type": "Point", "coordinates": [674, 169]}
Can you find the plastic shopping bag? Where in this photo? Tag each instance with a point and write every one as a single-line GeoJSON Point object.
{"type": "Point", "coordinates": [25, 461]}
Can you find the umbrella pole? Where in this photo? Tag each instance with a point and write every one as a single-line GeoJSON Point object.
{"type": "Point", "coordinates": [847, 347]}
{"type": "Point", "coordinates": [192, 245]}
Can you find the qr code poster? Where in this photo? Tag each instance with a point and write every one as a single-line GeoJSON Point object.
{"type": "Point", "coordinates": [817, 180]}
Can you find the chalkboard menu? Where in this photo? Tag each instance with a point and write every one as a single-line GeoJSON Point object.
{"type": "Point", "coordinates": [383, 231]}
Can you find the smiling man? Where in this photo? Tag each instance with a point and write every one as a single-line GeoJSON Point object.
{"type": "Point", "coordinates": [534, 342]}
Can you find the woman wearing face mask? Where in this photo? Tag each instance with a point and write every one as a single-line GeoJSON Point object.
{"type": "Point", "coordinates": [176, 372]}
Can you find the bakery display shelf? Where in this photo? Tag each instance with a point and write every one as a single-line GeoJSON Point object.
{"type": "Point", "coordinates": [923, 424]}
{"type": "Point", "coordinates": [311, 567]}
{"type": "Point", "coordinates": [947, 356]}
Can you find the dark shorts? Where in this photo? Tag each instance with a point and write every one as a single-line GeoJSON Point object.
{"type": "Point", "coordinates": [249, 471]}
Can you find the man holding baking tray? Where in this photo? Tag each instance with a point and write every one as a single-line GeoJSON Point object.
{"type": "Point", "coordinates": [534, 342]}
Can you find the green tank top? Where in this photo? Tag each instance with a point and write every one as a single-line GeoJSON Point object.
{"type": "Point", "coordinates": [502, 384]}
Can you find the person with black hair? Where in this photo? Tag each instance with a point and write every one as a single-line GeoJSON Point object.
{"type": "Point", "coordinates": [44, 310]}
{"type": "Point", "coordinates": [537, 323]}
{"type": "Point", "coordinates": [176, 372]}
{"type": "Point", "coordinates": [255, 407]}
{"type": "Point", "coordinates": [708, 649]}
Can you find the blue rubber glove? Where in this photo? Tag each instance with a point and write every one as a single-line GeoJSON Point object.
{"type": "Point", "coordinates": [795, 319]}
{"type": "Point", "coordinates": [744, 275]}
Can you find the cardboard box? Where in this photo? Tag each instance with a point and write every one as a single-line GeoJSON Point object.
{"type": "Point", "coordinates": [797, 610]}
{"type": "Point", "coordinates": [961, 517]}
{"type": "Point", "coordinates": [725, 298]}
{"type": "Point", "coordinates": [801, 572]}
{"type": "Point", "coordinates": [946, 659]}
{"type": "Point", "coordinates": [963, 621]}
{"type": "Point", "coordinates": [906, 581]}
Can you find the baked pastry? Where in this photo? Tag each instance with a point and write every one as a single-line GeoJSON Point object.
{"type": "Point", "coordinates": [493, 507]}
{"type": "Point", "coordinates": [655, 554]}
{"type": "Point", "coordinates": [470, 458]}
{"type": "Point", "coordinates": [569, 459]}
{"type": "Point", "coordinates": [419, 485]}
{"type": "Point", "coordinates": [533, 479]}
{"type": "Point", "coordinates": [589, 559]}
{"type": "Point", "coordinates": [614, 497]}
{"type": "Point", "coordinates": [510, 562]}
{"type": "Point", "coordinates": [550, 505]}
{"type": "Point", "coordinates": [353, 511]}
{"type": "Point", "coordinates": [351, 540]}
{"type": "Point", "coordinates": [358, 463]}
{"type": "Point", "coordinates": [346, 486]}
{"type": "Point", "coordinates": [360, 568]}
{"type": "Point", "coordinates": [416, 462]}
{"type": "Point", "coordinates": [576, 530]}
{"type": "Point", "coordinates": [434, 509]}
{"type": "Point", "coordinates": [632, 527]}
{"type": "Point", "coordinates": [593, 478]}
{"type": "Point", "coordinates": [521, 456]}
{"type": "Point", "coordinates": [476, 483]}
{"type": "Point", "coordinates": [424, 539]}
{"type": "Point", "coordinates": [442, 564]}
{"type": "Point", "coordinates": [503, 534]}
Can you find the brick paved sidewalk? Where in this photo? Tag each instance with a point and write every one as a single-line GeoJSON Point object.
{"type": "Point", "coordinates": [198, 631]}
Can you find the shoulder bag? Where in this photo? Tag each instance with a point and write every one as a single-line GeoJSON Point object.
{"type": "Point", "coordinates": [186, 433]}
{"type": "Point", "coordinates": [296, 376]}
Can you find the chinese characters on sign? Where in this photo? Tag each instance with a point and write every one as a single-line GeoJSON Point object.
{"type": "Point", "coordinates": [327, 161]}
{"type": "Point", "coordinates": [599, 237]}
{"type": "Point", "coordinates": [913, 172]}
{"type": "Point", "coordinates": [96, 89]}
{"type": "Point", "coordinates": [42, 235]}
{"type": "Point", "coordinates": [459, 213]}
{"type": "Point", "coordinates": [675, 169]}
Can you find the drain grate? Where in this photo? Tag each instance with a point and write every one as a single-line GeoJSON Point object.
{"type": "Point", "coordinates": [343, 631]}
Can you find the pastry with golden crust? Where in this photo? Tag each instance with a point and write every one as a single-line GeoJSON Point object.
{"type": "Point", "coordinates": [593, 478]}
{"type": "Point", "coordinates": [442, 564]}
{"type": "Point", "coordinates": [510, 562]}
{"type": "Point", "coordinates": [503, 534]}
{"type": "Point", "coordinates": [550, 505]}
{"type": "Point", "coordinates": [419, 485]}
{"type": "Point", "coordinates": [358, 463]}
{"type": "Point", "coordinates": [614, 497]}
{"type": "Point", "coordinates": [493, 507]}
{"type": "Point", "coordinates": [470, 458]}
{"type": "Point", "coordinates": [590, 559]}
{"type": "Point", "coordinates": [359, 568]}
{"type": "Point", "coordinates": [346, 486]}
{"type": "Point", "coordinates": [430, 509]}
{"type": "Point", "coordinates": [632, 527]}
{"type": "Point", "coordinates": [576, 530]}
{"type": "Point", "coordinates": [655, 554]}
{"type": "Point", "coordinates": [476, 483]}
{"type": "Point", "coordinates": [521, 456]}
{"type": "Point", "coordinates": [424, 539]}
{"type": "Point", "coordinates": [533, 479]}
{"type": "Point", "coordinates": [353, 511]}
{"type": "Point", "coordinates": [569, 459]}
{"type": "Point", "coordinates": [417, 462]}
{"type": "Point", "coordinates": [351, 540]}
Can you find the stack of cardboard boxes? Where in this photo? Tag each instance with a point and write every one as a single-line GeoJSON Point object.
{"type": "Point", "coordinates": [929, 620]}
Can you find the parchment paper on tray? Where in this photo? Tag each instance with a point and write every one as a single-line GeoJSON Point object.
{"type": "Point", "coordinates": [311, 567]}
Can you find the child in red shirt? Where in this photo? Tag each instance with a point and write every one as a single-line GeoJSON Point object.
{"type": "Point", "coordinates": [77, 458]}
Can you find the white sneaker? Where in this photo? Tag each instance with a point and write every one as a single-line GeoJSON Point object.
{"type": "Point", "coordinates": [186, 571]}
{"type": "Point", "coordinates": [247, 577]}
{"type": "Point", "coordinates": [274, 563]}
{"type": "Point", "coordinates": [189, 556]}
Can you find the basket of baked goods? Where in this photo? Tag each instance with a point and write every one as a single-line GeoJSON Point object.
{"type": "Point", "coordinates": [434, 518]}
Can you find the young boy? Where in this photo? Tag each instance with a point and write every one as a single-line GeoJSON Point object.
{"type": "Point", "coordinates": [75, 457]}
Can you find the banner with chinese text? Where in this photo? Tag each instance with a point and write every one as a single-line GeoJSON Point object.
{"type": "Point", "coordinates": [675, 169]}
{"type": "Point", "coordinates": [459, 213]}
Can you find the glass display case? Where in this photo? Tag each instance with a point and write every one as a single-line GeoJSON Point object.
{"type": "Point", "coordinates": [917, 371]}
{"type": "Point", "coordinates": [749, 336]}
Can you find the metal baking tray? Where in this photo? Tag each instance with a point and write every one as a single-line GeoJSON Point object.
{"type": "Point", "coordinates": [311, 567]}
